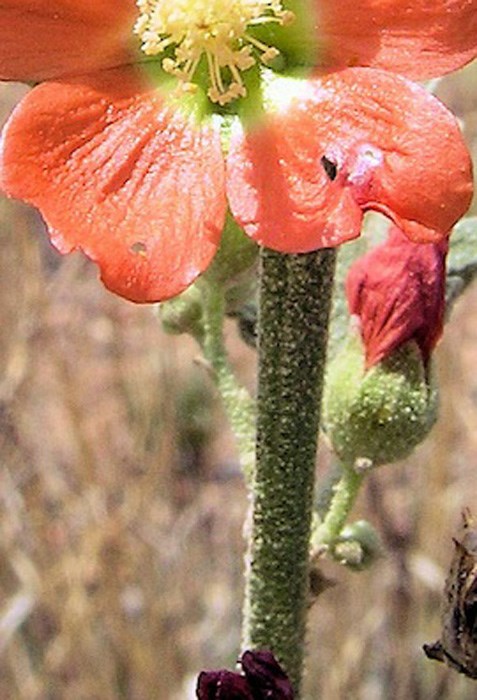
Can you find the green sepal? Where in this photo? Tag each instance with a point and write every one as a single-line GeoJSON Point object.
{"type": "Point", "coordinates": [382, 413]}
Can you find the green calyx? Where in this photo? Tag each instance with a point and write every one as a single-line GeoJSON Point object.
{"type": "Point", "coordinates": [378, 415]}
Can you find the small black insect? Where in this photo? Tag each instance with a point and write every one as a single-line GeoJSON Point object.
{"type": "Point", "coordinates": [329, 167]}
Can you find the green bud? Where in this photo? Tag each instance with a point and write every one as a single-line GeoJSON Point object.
{"type": "Point", "coordinates": [377, 415]}
{"type": "Point", "coordinates": [358, 546]}
{"type": "Point", "coordinates": [349, 554]}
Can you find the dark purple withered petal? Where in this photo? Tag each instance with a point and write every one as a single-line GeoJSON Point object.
{"type": "Point", "coordinates": [223, 685]}
{"type": "Point", "coordinates": [266, 677]}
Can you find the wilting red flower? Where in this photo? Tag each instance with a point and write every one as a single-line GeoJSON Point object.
{"type": "Point", "coordinates": [223, 685]}
{"type": "Point", "coordinates": [398, 292]}
{"type": "Point", "coordinates": [265, 676]}
{"type": "Point", "coordinates": [129, 169]}
{"type": "Point", "coordinates": [264, 679]}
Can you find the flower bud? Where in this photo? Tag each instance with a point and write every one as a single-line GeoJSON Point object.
{"type": "Point", "coordinates": [358, 546]}
{"type": "Point", "coordinates": [379, 400]}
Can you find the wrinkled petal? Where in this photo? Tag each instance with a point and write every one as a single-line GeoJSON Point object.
{"type": "Point", "coordinates": [265, 675]}
{"type": "Point", "coordinates": [42, 39]}
{"type": "Point", "coordinates": [398, 292]}
{"type": "Point", "coordinates": [222, 685]}
{"type": "Point", "coordinates": [353, 141]}
{"type": "Point", "coordinates": [119, 175]}
{"type": "Point", "coordinates": [418, 38]}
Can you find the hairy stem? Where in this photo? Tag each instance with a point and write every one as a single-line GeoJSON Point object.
{"type": "Point", "coordinates": [295, 299]}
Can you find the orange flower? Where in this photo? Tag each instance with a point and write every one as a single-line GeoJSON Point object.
{"type": "Point", "coordinates": [397, 291]}
{"type": "Point", "coordinates": [417, 38]}
{"type": "Point", "coordinates": [128, 168]}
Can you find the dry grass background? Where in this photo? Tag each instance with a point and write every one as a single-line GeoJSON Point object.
{"type": "Point", "coordinates": [121, 505]}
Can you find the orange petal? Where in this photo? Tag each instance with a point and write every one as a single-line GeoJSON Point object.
{"type": "Point", "coordinates": [120, 176]}
{"type": "Point", "coordinates": [42, 39]}
{"type": "Point", "coordinates": [418, 38]}
{"type": "Point", "coordinates": [398, 292]}
{"type": "Point", "coordinates": [356, 140]}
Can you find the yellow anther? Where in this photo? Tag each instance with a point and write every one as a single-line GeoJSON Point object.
{"type": "Point", "coordinates": [216, 29]}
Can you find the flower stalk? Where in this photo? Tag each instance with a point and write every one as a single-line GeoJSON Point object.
{"type": "Point", "coordinates": [238, 404]}
{"type": "Point", "coordinates": [345, 492]}
{"type": "Point", "coordinates": [295, 299]}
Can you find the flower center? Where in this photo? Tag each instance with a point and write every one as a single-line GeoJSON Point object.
{"type": "Point", "coordinates": [216, 29]}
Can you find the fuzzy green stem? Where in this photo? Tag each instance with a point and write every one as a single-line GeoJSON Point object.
{"type": "Point", "coordinates": [345, 492]}
{"type": "Point", "coordinates": [295, 299]}
{"type": "Point", "coordinates": [238, 404]}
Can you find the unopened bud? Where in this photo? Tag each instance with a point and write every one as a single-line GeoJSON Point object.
{"type": "Point", "coordinates": [358, 546]}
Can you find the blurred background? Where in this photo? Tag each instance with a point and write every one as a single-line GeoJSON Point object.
{"type": "Point", "coordinates": [122, 504]}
